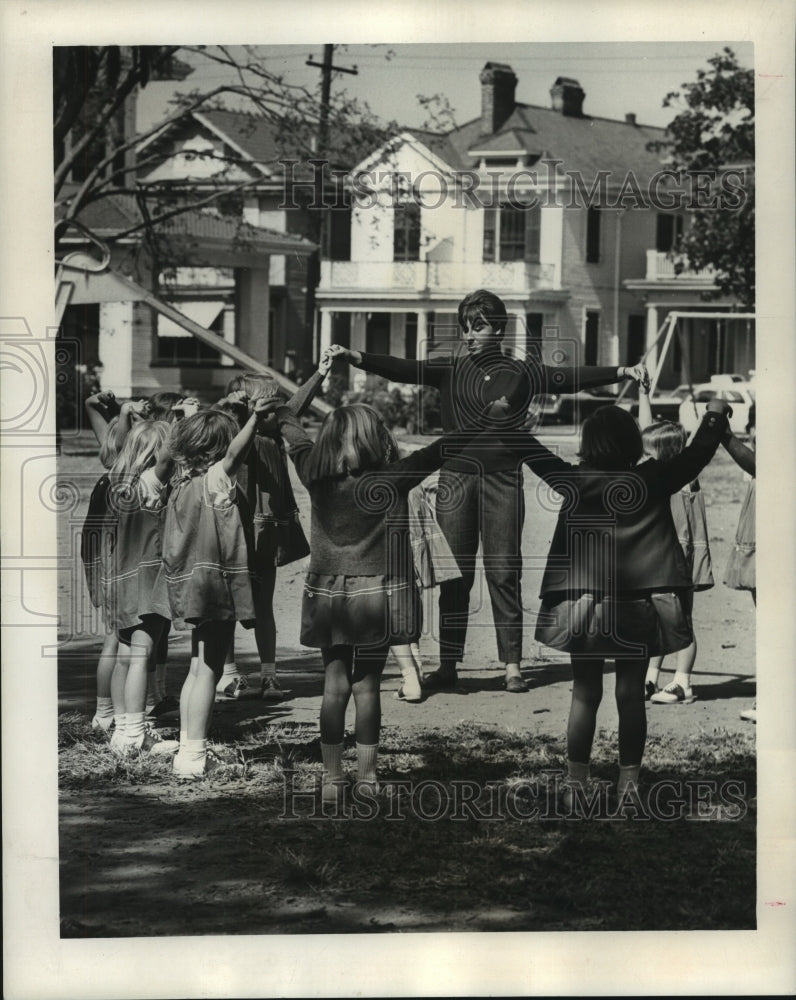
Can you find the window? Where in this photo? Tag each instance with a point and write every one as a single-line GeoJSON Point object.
{"type": "Point", "coordinates": [668, 232]}
{"type": "Point", "coordinates": [337, 234]}
{"type": "Point", "coordinates": [176, 346]}
{"type": "Point", "coordinates": [593, 236]}
{"type": "Point", "coordinates": [406, 235]}
{"type": "Point", "coordinates": [377, 333]}
{"type": "Point", "coordinates": [636, 336]}
{"type": "Point", "coordinates": [592, 338]}
{"type": "Point", "coordinates": [512, 233]}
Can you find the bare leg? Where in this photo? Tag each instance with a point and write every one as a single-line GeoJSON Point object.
{"type": "Point", "coordinates": [411, 688]}
{"type": "Point", "coordinates": [213, 640]}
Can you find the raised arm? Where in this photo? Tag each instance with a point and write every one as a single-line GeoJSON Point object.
{"type": "Point", "coordinates": [131, 410]}
{"type": "Point", "coordinates": [394, 369]}
{"type": "Point", "coordinates": [669, 477]}
{"type": "Point", "coordinates": [739, 453]}
{"type": "Point", "coordinates": [301, 399]}
{"type": "Point", "coordinates": [100, 409]}
{"type": "Point", "coordinates": [239, 446]}
{"type": "Point", "coordinates": [296, 438]}
{"type": "Point", "coordinates": [644, 408]}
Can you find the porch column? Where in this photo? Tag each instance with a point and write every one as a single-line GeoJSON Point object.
{"type": "Point", "coordinates": [326, 330]}
{"type": "Point", "coordinates": [254, 299]}
{"type": "Point", "coordinates": [652, 333]}
{"type": "Point", "coordinates": [422, 334]}
{"type": "Point", "coordinates": [116, 347]}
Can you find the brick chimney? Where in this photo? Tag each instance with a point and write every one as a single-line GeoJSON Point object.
{"type": "Point", "coordinates": [567, 95]}
{"type": "Point", "coordinates": [498, 84]}
{"type": "Point", "coordinates": [630, 118]}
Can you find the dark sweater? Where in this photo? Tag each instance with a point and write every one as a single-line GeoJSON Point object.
{"type": "Point", "coordinates": [467, 384]}
{"type": "Point", "coordinates": [615, 531]}
{"type": "Point", "coordinates": [360, 522]}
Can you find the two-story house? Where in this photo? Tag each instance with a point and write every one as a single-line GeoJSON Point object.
{"type": "Point", "coordinates": [550, 208]}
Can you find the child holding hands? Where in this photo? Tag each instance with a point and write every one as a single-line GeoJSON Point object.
{"type": "Point", "coordinates": [207, 561]}
{"type": "Point", "coordinates": [615, 576]}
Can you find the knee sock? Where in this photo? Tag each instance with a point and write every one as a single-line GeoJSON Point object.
{"type": "Point", "coordinates": [332, 756]}
{"type": "Point", "coordinates": [366, 761]}
{"type": "Point", "coordinates": [104, 713]}
{"type": "Point", "coordinates": [627, 776]}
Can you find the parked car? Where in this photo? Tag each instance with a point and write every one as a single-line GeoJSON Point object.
{"type": "Point", "coordinates": [575, 407]}
{"type": "Point", "coordinates": [665, 404]}
{"type": "Point", "coordinates": [740, 396]}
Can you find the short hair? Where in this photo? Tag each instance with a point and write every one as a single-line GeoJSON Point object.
{"type": "Point", "coordinates": [202, 439]}
{"type": "Point", "coordinates": [352, 439]}
{"type": "Point", "coordinates": [664, 440]}
{"type": "Point", "coordinates": [140, 449]}
{"type": "Point", "coordinates": [485, 304]}
{"type": "Point", "coordinates": [160, 406]}
{"type": "Point", "coordinates": [610, 440]}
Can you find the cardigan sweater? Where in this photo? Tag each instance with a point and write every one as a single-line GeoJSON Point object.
{"type": "Point", "coordinates": [615, 533]}
{"type": "Point", "coordinates": [468, 384]}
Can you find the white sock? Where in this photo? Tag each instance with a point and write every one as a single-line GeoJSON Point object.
{"type": "Point", "coordinates": [366, 761]}
{"type": "Point", "coordinates": [578, 774]}
{"type": "Point", "coordinates": [134, 729]}
{"type": "Point", "coordinates": [684, 680]}
{"type": "Point", "coordinates": [192, 752]}
{"type": "Point", "coordinates": [267, 670]}
{"type": "Point", "coordinates": [120, 725]}
{"type": "Point", "coordinates": [652, 676]}
{"type": "Point", "coordinates": [332, 756]}
{"type": "Point", "coordinates": [229, 674]}
{"type": "Point", "coordinates": [104, 713]}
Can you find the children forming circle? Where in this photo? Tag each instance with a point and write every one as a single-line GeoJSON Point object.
{"type": "Point", "coordinates": [195, 514]}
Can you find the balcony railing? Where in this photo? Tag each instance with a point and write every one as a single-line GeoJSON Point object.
{"type": "Point", "coordinates": [662, 267]}
{"type": "Point", "coordinates": [514, 277]}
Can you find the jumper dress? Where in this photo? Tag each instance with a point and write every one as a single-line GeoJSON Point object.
{"type": "Point", "coordinates": [131, 581]}
{"type": "Point", "coordinates": [207, 554]}
{"type": "Point", "coordinates": [740, 572]}
{"type": "Point", "coordinates": [91, 543]}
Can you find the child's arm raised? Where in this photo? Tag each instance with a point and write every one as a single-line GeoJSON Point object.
{"type": "Point", "coordinates": [739, 453]}
{"type": "Point", "coordinates": [671, 476]}
{"type": "Point", "coordinates": [644, 408]}
{"type": "Point", "coordinates": [130, 411]}
{"type": "Point", "coordinates": [100, 409]}
{"type": "Point", "coordinates": [304, 395]}
{"type": "Point", "coordinates": [240, 444]}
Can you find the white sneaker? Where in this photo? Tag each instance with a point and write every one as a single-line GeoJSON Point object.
{"type": "Point", "coordinates": [230, 689]}
{"type": "Point", "coordinates": [673, 694]}
{"type": "Point", "coordinates": [750, 714]}
{"type": "Point", "coordinates": [195, 769]}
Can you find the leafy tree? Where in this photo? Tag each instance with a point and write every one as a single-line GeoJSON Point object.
{"type": "Point", "coordinates": [713, 132]}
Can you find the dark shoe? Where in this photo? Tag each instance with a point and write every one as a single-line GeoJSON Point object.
{"type": "Point", "coordinates": [270, 690]}
{"type": "Point", "coordinates": [516, 685]}
{"type": "Point", "coordinates": [437, 681]}
{"type": "Point", "coordinates": [165, 706]}
{"type": "Point", "coordinates": [650, 689]}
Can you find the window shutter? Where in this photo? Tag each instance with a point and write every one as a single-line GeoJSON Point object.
{"type": "Point", "coordinates": [490, 225]}
{"type": "Point", "coordinates": [533, 234]}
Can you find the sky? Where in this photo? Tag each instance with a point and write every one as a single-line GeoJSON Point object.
{"type": "Point", "coordinates": [618, 77]}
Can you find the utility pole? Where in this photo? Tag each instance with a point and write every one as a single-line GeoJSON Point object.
{"type": "Point", "coordinates": [327, 67]}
